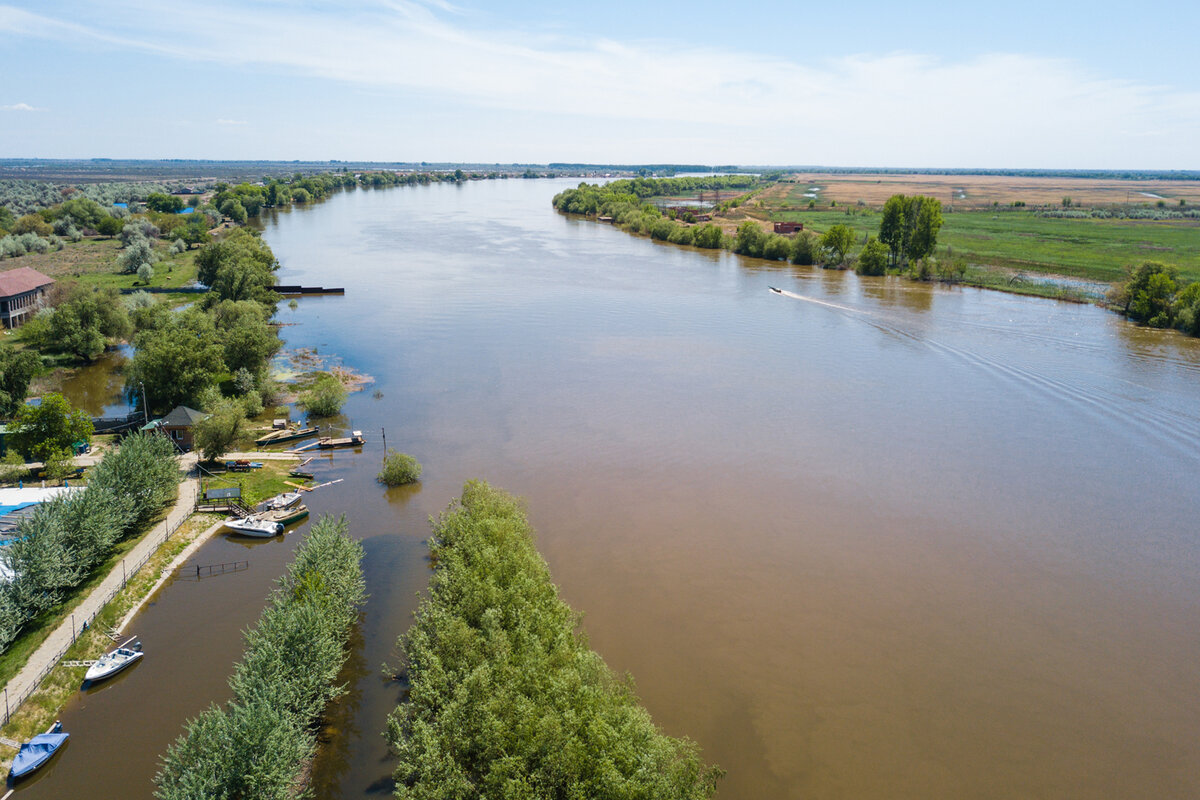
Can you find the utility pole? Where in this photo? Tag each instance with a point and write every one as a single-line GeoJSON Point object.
{"type": "Point", "coordinates": [145, 408]}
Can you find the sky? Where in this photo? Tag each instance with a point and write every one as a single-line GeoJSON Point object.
{"type": "Point", "coordinates": [1068, 85]}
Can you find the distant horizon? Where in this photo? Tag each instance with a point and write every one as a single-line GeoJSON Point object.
{"type": "Point", "coordinates": [572, 165]}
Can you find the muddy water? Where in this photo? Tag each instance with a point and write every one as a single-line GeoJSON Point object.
{"type": "Point", "coordinates": [865, 539]}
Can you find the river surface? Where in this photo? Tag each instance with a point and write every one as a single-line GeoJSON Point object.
{"type": "Point", "coordinates": [864, 538]}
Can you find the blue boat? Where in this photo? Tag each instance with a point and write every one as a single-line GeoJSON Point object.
{"type": "Point", "coordinates": [37, 751]}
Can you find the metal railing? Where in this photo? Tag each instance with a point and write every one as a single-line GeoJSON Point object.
{"type": "Point", "coordinates": [11, 704]}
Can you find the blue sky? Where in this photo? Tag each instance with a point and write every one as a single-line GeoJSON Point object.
{"type": "Point", "coordinates": [1017, 84]}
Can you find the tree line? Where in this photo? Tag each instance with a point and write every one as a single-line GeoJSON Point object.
{"type": "Point", "coordinates": [62, 542]}
{"type": "Point", "coordinates": [257, 746]}
{"type": "Point", "coordinates": [507, 699]}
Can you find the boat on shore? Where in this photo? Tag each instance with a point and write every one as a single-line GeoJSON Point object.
{"type": "Point", "coordinates": [110, 664]}
{"type": "Point", "coordinates": [286, 435]}
{"type": "Point", "coordinates": [37, 751]}
{"type": "Point", "coordinates": [253, 526]}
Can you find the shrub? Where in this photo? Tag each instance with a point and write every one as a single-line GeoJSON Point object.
{"type": "Point", "coordinates": [399, 469]}
{"type": "Point", "coordinates": [325, 398]}
{"type": "Point", "coordinates": [257, 746]}
{"type": "Point", "coordinates": [145, 273]}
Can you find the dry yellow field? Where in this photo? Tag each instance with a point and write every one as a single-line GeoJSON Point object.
{"type": "Point", "coordinates": [977, 191]}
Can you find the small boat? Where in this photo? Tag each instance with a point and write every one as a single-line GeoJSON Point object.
{"type": "Point", "coordinates": [776, 291]}
{"type": "Point", "coordinates": [37, 751]}
{"type": "Point", "coordinates": [296, 473]}
{"type": "Point", "coordinates": [288, 435]}
{"type": "Point", "coordinates": [280, 501]}
{"type": "Point", "coordinates": [286, 516]}
{"type": "Point", "coordinates": [252, 526]}
{"type": "Point", "coordinates": [354, 440]}
{"type": "Point", "coordinates": [112, 663]}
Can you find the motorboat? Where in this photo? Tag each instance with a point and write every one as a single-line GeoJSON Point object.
{"type": "Point", "coordinates": [282, 501]}
{"type": "Point", "coordinates": [252, 526]}
{"type": "Point", "coordinates": [37, 751]}
{"type": "Point", "coordinates": [112, 663]}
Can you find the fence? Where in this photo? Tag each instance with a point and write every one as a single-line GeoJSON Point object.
{"type": "Point", "coordinates": [12, 704]}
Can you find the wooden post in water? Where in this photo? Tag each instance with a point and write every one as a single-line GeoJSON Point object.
{"type": "Point", "coordinates": [383, 432]}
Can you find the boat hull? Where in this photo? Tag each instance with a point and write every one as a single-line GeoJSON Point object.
{"type": "Point", "coordinates": [264, 529]}
{"type": "Point", "coordinates": [34, 754]}
{"type": "Point", "coordinates": [108, 666]}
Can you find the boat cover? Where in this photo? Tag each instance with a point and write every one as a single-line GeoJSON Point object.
{"type": "Point", "coordinates": [36, 751]}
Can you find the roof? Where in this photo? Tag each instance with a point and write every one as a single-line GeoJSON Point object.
{"type": "Point", "coordinates": [182, 417]}
{"type": "Point", "coordinates": [21, 280]}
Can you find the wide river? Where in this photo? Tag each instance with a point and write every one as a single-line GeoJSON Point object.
{"type": "Point", "coordinates": [866, 538]}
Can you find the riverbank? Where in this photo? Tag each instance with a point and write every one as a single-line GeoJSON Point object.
{"type": "Point", "coordinates": [58, 642]}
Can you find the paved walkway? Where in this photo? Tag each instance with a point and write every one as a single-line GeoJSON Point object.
{"type": "Point", "coordinates": [18, 689]}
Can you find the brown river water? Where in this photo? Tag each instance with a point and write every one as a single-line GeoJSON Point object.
{"type": "Point", "coordinates": [867, 538]}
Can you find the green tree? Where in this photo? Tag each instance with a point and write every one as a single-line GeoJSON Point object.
{"type": "Point", "coordinates": [325, 398]}
{"type": "Point", "coordinates": [17, 368]}
{"type": "Point", "coordinates": [47, 431]}
{"type": "Point", "coordinates": [836, 242]}
{"type": "Point", "coordinates": [928, 221]}
{"type": "Point", "coordinates": [176, 361]}
{"type": "Point", "coordinates": [239, 267]}
{"type": "Point", "coordinates": [873, 259]}
{"type": "Point", "coordinates": [87, 321]}
{"type": "Point", "coordinates": [109, 226]}
{"type": "Point", "coordinates": [32, 223]}
{"type": "Point", "coordinates": [1148, 294]}
{"type": "Point", "coordinates": [248, 339]}
{"type": "Point", "coordinates": [1186, 309]}
{"type": "Point", "coordinates": [805, 248]}
{"type": "Point", "coordinates": [166, 203]}
{"type": "Point", "coordinates": [399, 469]}
{"type": "Point", "coordinates": [216, 434]}
{"type": "Point", "coordinates": [749, 239]}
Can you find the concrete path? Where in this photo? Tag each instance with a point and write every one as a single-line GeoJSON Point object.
{"type": "Point", "coordinates": [43, 659]}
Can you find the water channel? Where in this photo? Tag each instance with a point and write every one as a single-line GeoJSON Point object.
{"type": "Point", "coordinates": [865, 539]}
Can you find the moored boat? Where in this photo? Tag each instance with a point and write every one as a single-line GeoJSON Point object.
{"type": "Point", "coordinates": [111, 663]}
{"type": "Point", "coordinates": [289, 435]}
{"type": "Point", "coordinates": [354, 440]}
{"type": "Point", "coordinates": [37, 751]}
{"type": "Point", "coordinates": [253, 526]}
{"type": "Point", "coordinates": [286, 516]}
{"type": "Point", "coordinates": [281, 501]}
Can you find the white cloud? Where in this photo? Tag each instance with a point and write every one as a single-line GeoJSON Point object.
{"type": "Point", "coordinates": [20, 107]}
{"type": "Point", "coordinates": [896, 108]}
{"type": "Point", "coordinates": [224, 121]}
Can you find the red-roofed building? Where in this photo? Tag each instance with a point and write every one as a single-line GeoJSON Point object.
{"type": "Point", "coordinates": [22, 293]}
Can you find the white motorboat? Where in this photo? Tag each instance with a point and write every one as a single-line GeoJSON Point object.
{"type": "Point", "coordinates": [249, 526]}
{"type": "Point", "coordinates": [282, 501]}
{"type": "Point", "coordinates": [112, 663]}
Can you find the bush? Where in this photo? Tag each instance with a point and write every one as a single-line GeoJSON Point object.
{"type": "Point", "coordinates": [505, 693]}
{"type": "Point", "coordinates": [216, 433]}
{"type": "Point", "coordinates": [399, 469]}
{"type": "Point", "coordinates": [325, 398]}
{"type": "Point", "coordinates": [145, 273]}
{"type": "Point", "coordinates": [258, 745]}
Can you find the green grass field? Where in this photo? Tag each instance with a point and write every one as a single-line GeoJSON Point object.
{"type": "Point", "coordinates": [1090, 249]}
{"type": "Point", "coordinates": [93, 262]}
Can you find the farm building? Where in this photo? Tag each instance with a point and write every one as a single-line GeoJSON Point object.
{"type": "Point", "coordinates": [22, 293]}
{"type": "Point", "coordinates": [789, 227]}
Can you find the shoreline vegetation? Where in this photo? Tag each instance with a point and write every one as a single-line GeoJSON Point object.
{"type": "Point", "coordinates": [259, 745]}
{"type": "Point", "coordinates": [1065, 252]}
{"type": "Point", "coordinates": [505, 697]}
